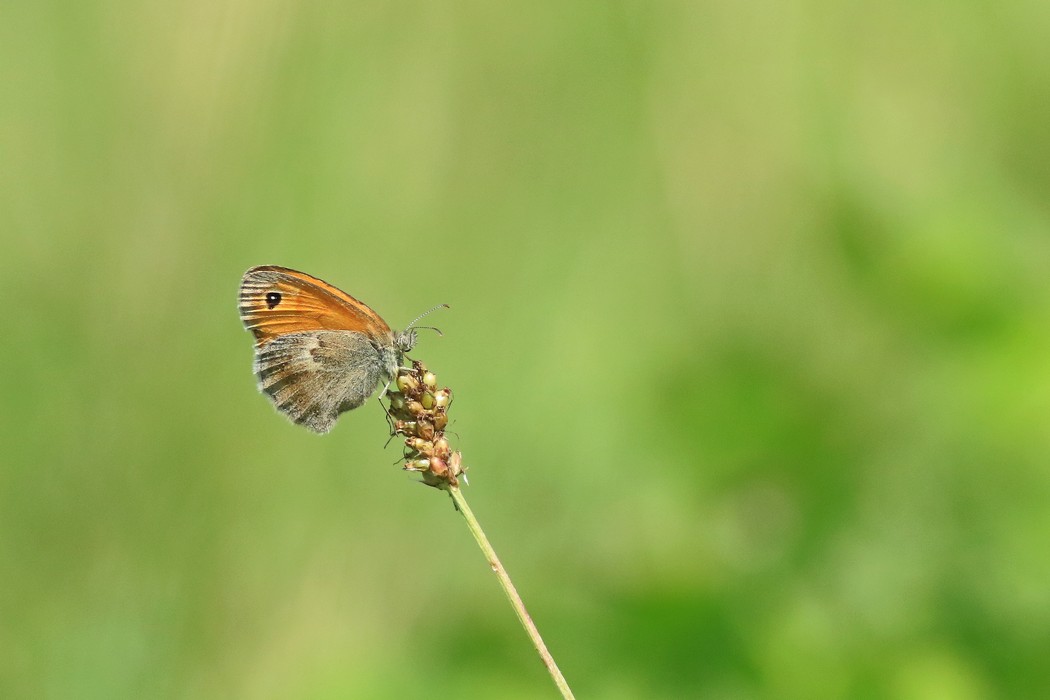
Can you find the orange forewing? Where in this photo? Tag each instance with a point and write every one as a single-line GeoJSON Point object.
{"type": "Point", "coordinates": [276, 300]}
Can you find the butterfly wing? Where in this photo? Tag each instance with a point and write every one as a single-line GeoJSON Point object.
{"type": "Point", "coordinates": [313, 376]}
{"type": "Point", "coordinates": [276, 300]}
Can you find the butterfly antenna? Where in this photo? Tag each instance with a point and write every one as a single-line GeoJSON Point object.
{"type": "Point", "coordinates": [426, 313]}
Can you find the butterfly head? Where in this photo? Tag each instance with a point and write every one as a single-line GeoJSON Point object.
{"type": "Point", "coordinates": [405, 340]}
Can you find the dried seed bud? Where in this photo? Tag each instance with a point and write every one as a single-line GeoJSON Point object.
{"type": "Point", "coordinates": [430, 379]}
{"type": "Point", "coordinates": [443, 398]}
{"type": "Point", "coordinates": [427, 400]}
{"type": "Point", "coordinates": [438, 468]}
{"type": "Point", "coordinates": [420, 445]}
{"type": "Point", "coordinates": [425, 430]}
{"type": "Point", "coordinates": [441, 448]}
{"type": "Point", "coordinates": [398, 405]}
{"type": "Point", "coordinates": [414, 408]}
{"type": "Point", "coordinates": [418, 465]}
{"type": "Point", "coordinates": [440, 420]}
{"type": "Point", "coordinates": [407, 383]}
{"type": "Point", "coordinates": [455, 464]}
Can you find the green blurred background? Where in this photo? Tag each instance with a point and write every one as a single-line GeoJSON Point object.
{"type": "Point", "coordinates": [749, 340]}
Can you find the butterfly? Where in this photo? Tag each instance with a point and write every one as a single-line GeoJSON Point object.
{"type": "Point", "coordinates": [318, 351]}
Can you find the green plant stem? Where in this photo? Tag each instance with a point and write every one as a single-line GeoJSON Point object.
{"type": "Point", "coordinates": [512, 593]}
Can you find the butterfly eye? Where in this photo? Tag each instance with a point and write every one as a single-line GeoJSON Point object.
{"type": "Point", "coordinates": [273, 299]}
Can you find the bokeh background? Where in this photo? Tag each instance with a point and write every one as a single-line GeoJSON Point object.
{"type": "Point", "coordinates": [749, 341]}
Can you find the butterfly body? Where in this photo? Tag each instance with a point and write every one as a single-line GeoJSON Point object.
{"type": "Point", "coordinates": [318, 351]}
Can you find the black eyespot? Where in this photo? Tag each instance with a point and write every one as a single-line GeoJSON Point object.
{"type": "Point", "coordinates": [273, 299]}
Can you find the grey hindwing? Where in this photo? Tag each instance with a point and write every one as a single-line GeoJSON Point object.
{"type": "Point", "coordinates": [314, 376]}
